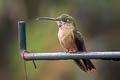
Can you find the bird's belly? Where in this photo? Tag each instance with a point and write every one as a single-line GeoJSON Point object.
{"type": "Point", "coordinates": [68, 43]}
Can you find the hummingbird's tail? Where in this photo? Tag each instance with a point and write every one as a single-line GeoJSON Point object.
{"type": "Point", "coordinates": [86, 65]}
{"type": "Point", "coordinates": [89, 65]}
{"type": "Point", "coordinates": [81, 65]}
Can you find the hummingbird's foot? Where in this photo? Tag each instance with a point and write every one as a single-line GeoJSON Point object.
{"type": "Point", "coordinates": [67, 51]}
{"type": "Point", "coordinates": [70, 51]}
{"type": "Point", "coordinates": [73, 51]}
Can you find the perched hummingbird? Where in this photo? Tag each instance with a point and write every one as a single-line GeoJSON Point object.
{"type": "Point", "coordinates": [71, 39]}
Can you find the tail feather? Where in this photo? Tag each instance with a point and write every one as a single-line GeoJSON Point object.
{"type": "Point", "coordinates": [89, 65]}
{"type": "Point", "coordinates": [86, 65]}
{"type": "Point", "coordinates": [81, 65]}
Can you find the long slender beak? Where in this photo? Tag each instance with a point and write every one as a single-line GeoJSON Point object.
{"type": "Point", "coordinates": [48, 18]}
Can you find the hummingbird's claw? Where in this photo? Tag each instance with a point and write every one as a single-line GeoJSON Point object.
{"type": "Point", "coordinates": [66, 51]}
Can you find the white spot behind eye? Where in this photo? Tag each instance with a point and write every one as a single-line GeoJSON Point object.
{"type": "Point", "coordinates": [68, 20]}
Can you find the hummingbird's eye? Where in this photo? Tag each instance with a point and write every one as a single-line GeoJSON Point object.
{"type": "Point", "coordinates": [66, 20]}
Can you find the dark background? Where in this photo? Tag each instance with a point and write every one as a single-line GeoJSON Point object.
{"type": "Point", "coordinates": [98, 20]}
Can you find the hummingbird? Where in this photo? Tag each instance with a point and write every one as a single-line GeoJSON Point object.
{"type": "Point", "coordinates": [71, 39]}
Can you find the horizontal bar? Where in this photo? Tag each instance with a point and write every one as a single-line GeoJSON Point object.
{"type": "Point", "coordinates": [65, 56]}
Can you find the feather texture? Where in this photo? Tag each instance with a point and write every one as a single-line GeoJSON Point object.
{"type": "Point", "coordinates": [88, 65]}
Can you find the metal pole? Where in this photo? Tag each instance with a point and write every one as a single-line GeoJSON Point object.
{"type": "Point", "coordinates": [80, 55]}
{"type": "Point", "coordinates": [22, 36]}
{"type": "Point", "coordinates": [22, 43]}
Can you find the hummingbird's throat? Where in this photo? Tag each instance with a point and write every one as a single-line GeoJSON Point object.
{"type": "Point", "coordinates": [60, 23]}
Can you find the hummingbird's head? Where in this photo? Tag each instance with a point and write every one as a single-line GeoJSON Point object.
{"type": "Point", "coordinates": [63, 19]}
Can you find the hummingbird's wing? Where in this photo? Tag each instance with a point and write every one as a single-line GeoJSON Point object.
{"type": "Point", "coordinates": [79, 41]}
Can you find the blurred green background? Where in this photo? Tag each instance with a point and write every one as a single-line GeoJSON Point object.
{"type": "Point", "coordinates": [98, 20]}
